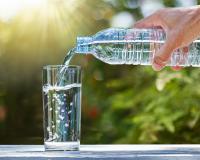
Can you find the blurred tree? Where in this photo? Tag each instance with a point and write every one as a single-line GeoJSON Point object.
{"type": "Point", "coordinates": [137, 105]}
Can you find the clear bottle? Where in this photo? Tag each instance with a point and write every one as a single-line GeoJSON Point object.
{"type": "Point", "coordinates": [134, 46]}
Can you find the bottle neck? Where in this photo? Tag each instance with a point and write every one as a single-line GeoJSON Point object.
{"type": "Point", "coordinates": [83, 45]}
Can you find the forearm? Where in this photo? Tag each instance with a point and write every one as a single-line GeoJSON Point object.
{"type": "Point", "coordinates": [194, 15]}
{"type": "Point", "coordinates": [197, 18]}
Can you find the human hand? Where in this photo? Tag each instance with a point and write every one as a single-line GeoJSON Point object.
{"type": "Point", "coordinates": [182, 26]}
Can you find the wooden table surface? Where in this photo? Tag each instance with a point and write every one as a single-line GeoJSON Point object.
{"type": "Point", "coordinates": [133, 152]}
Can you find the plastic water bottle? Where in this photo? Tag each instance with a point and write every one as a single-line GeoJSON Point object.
{"type": "Point", "coordinates": [134, 46]}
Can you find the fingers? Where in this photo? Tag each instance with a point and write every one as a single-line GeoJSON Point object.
{"type": "Point", "coordinates": [176, 68]}
{"type": "Point", "coordinates": [184, 52]}
{"type": "Point", "coordinates": [150, 21]}
{"type": "Point", "coordinates": [162, 56]}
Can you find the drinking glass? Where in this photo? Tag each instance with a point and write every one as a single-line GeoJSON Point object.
{"type": "Point", "coordinates": [62, 107]}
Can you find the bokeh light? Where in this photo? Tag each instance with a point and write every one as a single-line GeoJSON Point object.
{"type": "Point", "coordinates": [148, 7]}
{"type": "Point", "coordinates": [123, 19]}
{"type": "Point", "coordinates": [10, 8]}
{"type": "Point", "coordinates": [184, 3]}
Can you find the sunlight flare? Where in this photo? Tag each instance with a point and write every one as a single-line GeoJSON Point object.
{"type": "Point", "coordinates": [10, 8]}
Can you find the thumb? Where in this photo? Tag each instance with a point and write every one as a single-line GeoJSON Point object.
{"type": "Point", "coordinates": [162, 56]}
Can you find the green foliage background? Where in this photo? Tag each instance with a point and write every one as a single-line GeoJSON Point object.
{"type": "Point", "coordinates": [120, 103]}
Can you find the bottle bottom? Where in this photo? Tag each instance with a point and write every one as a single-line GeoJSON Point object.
{"type": "Point", "coordinates": [62, 146]}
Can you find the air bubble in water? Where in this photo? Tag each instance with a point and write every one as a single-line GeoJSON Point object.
{"type": "Point", "coordinates": [54, 95]}
{"type": "Point", "coordinates": [48, 129]}
{"type": "Point", "coordinates": [55, 136]}
{"type": "Point", "coordinates": [71, 103]}
{"type": "Point", "coordinates": [50, 133]}
{"type": "Point", "coordinates": [66, 125]}
{"type": "Point", "coordinates": [62, 110]}
{"type": "Point", "coordinates": [61, 117]}
{"type": "Point", "coordinates": [58, 121]}
{"type": "Point", "coordinates": [69, 112]}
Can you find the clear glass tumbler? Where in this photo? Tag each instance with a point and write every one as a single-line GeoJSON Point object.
{"type": "Point", "coordinates": [62, 107]}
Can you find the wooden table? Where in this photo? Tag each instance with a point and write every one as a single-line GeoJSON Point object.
{"type": "Point", "coordinates": [133, 152]}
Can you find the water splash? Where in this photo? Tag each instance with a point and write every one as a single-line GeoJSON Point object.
{"type": "Point", "coordinates": [69, 56]}
{"type": "Point", "coordinates": [66, 62]}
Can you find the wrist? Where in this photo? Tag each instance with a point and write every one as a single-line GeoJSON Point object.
{"type": "Point", "coordinates": [196, 9]}
{"type": "Point", "coordinates": [196, 19]}
{"type": "Point", "coordinates": [194, 13]}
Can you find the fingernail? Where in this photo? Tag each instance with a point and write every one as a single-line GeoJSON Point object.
{"type": "Point", "coordinates": [157, 67]}
{"type": "Point", "coordinates": [176, 68]}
